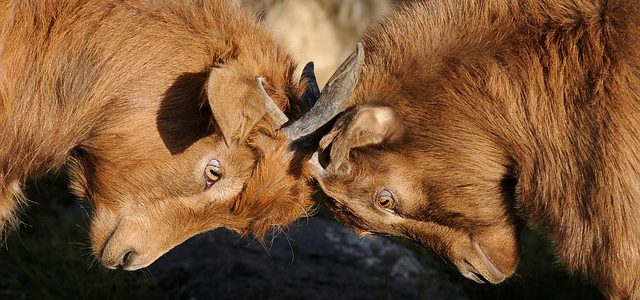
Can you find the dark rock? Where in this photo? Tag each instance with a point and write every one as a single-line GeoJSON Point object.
{"type": "Point", "coordinates": [315, 259]}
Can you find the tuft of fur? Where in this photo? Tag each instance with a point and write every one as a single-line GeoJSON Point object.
{"type": "Point", "coordinates": [280, 195]}
{"type": "Point", "coordinates": [11, 199]}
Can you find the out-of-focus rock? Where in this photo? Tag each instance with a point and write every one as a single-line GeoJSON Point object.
{"type": "Point", "coordinates": [315, 259]}
{"type": "Point", "coordinates": [323, 31]}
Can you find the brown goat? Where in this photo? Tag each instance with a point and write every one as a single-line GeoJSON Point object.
{"type": "Point", "coordinates": [474, 117]}
{"type": "Point", "coordinates": [125, 91]}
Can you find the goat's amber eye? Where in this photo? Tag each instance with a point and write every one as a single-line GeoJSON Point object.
{"type": "Point", "coordinates": [386, 200]}
{"type": "Point", "coordinates": [213, 172]}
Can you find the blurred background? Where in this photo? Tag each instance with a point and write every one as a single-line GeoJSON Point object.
{"type": "Point", "coordinates": [317, 258]}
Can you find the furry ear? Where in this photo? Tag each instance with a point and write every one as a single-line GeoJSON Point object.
{"type": "Point", "coordinates": [361, 126]}
{"type": "Point", "coordinates": [235, 102]}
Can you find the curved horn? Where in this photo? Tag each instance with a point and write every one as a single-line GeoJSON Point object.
{"type": "Point", "coordinates": [272, 108]}
{"type": "Point", "coordinates": [333, 99]}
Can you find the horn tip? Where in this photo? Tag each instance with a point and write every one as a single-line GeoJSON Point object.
{"type": "Point", "coordinates": [309, 66]}
{"type": "Point", "coordinates": [360, 51]}
{"type": "Point", "coordinates": [309, 70]}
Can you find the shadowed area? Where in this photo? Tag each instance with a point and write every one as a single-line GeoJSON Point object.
{"type": "Point", "coordinates": [315, 259]}
{"type": "Point", "coordinates": [183, 118]}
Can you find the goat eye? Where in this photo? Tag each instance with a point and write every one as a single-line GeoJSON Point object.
{"type": "Point", "coordinates": [385, 200]}
{"type": "Point", "coordinates": [213, 172]}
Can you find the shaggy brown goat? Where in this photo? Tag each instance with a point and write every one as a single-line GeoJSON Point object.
{"type": "Point", "coordinates": [125, 92]}
{"type": "Point", "coordinates": [473, 117]}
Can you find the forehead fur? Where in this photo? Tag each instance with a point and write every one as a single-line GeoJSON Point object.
{"type": "Point", "coordinates": [279, 191]}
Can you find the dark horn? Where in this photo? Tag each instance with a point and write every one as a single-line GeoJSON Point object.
{"type": "Point", "coordinates": [312, 92]}
{"type": "Point", "coordinates": [333, 99]}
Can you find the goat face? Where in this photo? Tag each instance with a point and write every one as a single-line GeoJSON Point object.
{"type": "Point", "coordinates": [164, 175]}
{"type": "Point", "coordinates": [383, 175]}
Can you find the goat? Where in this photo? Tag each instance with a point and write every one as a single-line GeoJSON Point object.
{"type": "Point", "coordinates": [471, 119]}
{"type": "Point", "coordinates": [163, 111]}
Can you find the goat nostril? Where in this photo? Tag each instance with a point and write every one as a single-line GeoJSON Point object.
{"type": "Point", "coordinates": [126, 258]}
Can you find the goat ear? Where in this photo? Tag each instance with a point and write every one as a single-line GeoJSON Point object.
{"type": "Point", "coordinates": [359, 127]}
{"type": "Point", "coordinates": [235, 103]}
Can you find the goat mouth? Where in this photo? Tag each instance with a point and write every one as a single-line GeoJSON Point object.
{"type": "Point", "coordinates": [475, 276]}
{"type": "Point", "coordinates": [472, 273]}
{"type": "Point", "coordinates": [494, 275]}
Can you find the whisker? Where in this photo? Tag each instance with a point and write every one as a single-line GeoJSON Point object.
{"type": "Point", "coordinates": [293, 255]}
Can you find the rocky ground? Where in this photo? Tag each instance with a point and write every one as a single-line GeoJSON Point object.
{"type": "Point", "coordinates": [315, 259]}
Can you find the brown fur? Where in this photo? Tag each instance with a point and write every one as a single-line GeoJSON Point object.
{"type": "Point", "coordinates": [121, 90]}
{"type": "Point", "coordinates": [511, 110]}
